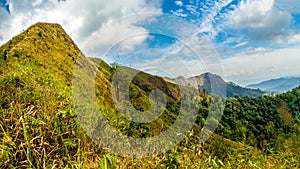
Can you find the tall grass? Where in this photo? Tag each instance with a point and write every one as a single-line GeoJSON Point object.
{"type": "Point", "coordinates": [39, 128]}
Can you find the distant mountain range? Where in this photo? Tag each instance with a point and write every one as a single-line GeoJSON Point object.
{"type": "Point", "coordinates": [48, 114]}
{"type": "Point", "coordinates": [214, 84]}
{"type": "Point", "coordinates": [279, 85]}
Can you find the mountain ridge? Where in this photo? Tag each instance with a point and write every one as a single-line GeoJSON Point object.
{"type": "Point", "coordinates": [40, 129]}
{"type": "Point", "coordinates": [278, 85]}
{"type": "Point", "coordinates": [208, 81]}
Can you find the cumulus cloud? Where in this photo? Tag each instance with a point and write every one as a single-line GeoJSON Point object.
{"type": "Point", "coordinates": [80, 18]}
{"type": "Point", "coordinates": [118, 38]}
{"type": "Point", "coordinates": [261, 19]}
{"type": "Point", "coordinates": [255, 14]}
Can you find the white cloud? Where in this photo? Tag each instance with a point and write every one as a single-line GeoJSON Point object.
{"type": "Point", "coordinates": [294, 39]}
{"type": "Point", "coordinates": [258, 50]}
{"type": "Point", "coordinates": [258, 14]}
{"type": "Point", "coordinates": [120, 37]}
{"type": "Point", "coordinates": [178, 3]}
{"type": "Point", "coordinates": [261, 19]}
{"type": "Point", "coordinates": [210, 17]}
{"type": "Point", "coordinates": [204, 14]}
{"type": "Point", "coordinates": [189, 57]}
{"type": "Point", "coordinates": [245, 69]}
{"type": "Point", "coordinates": [79, 18]}
{"type": "Point", "coordinates": [240, 44]}
{"type": "Point", "coordinates": [83, 19]}
{"type": "Point", "coordinates": [180, 13]}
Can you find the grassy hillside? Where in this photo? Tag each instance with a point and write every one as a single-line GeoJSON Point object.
{"type": "Point", "coordinates": [38, 124]}
{"type": "Point", "coordinates": [235, 90]}
{"type": "Point", "coordinates": [39, 128]}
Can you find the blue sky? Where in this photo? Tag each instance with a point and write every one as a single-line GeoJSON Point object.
{"type": "Point", "coordinates": [252, 40]}
{"type": "Point", "coordinates": [5, 5]}
{"type": "Point", "coordinates": [244, 38]}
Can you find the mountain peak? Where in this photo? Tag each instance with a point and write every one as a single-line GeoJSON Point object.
{"type": "Point", "coordinates": [44, 44]}
{"type": "Point", "coordinates": [39, 35]}
{"type": "Point", "coordinates": [46, 24]}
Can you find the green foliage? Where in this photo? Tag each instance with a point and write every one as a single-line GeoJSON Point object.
{"type": "Point", "coordinates": [107, 162]}
{"type": "Point", "coordinates": [235, 90]}
{"type": "Point", "coordinates": [39, 129]}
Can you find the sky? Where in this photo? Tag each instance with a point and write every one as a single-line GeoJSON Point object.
{"type": "Point", "coordinates": [244, 41]}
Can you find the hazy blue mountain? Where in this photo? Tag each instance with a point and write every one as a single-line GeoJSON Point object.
{"type": "Point", "coordinates": [212, 83]}
{"type": "Point", "coordinates": [279, 85]}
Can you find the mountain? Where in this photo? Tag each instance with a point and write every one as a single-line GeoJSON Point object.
{"type": "Point", "coordinates": [38, 124]}
{"type": "Point", "coordinates": [212, 83]}
{"type": "Point", "coordinates": [39, 127]}
{"type": "Point", "coordinates": [279, 85]}
{"type": "Point", "coordinates": [236, 90]}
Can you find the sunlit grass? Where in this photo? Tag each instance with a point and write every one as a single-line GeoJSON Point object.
{"type": "Point", "coordinates": [39, 128]}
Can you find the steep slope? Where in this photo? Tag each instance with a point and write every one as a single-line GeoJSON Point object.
{"type": "Point", "coordinates": [39, 128]}
{"type": "Point", "coordinates": [45, 45]}
{"type": "Point", "coordinates": [36, 100]}
{"type": "Point", "coordinates": [140, 87]}
{"type": "Point", "coordinates": [279, 85]}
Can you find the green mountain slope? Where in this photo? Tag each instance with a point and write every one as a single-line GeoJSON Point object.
{"type": "Point", "coordinates": [36, 90]}
{"type": "Point", "coordinates": [39, 128]}
{"type": "Point", "coordinates": [236, 90]}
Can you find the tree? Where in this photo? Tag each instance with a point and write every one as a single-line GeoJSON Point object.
{"type": "Point", "coordinates": [114, 66]}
